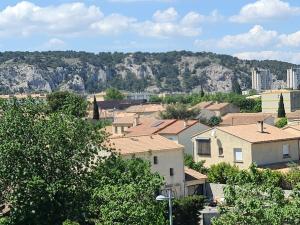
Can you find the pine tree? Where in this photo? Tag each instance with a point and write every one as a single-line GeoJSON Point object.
{"type": "Point", "coordinates": [236, 88]}
{"type": "Point", "coordinates": [96, 115]}
{"type": "Point", "coordinates": [281, 110]}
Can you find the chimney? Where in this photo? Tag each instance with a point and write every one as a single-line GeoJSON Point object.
{"type": "Point", "coordinates": [261, 126]}
{"type": "Point", "coordinates": [136, 120]}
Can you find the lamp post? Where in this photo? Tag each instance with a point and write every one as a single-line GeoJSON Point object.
{"type": "Point", "coordinates": [169, 198]}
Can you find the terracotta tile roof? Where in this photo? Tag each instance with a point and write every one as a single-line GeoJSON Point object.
{"type": "Point", "coordinates": [177, 127]}
{"type": "Point", "coordinates": [194, 174]}
{"type": "Point", "coordinates": [217, 106]}
{"type": "Point", "coordinates": [251, 133]}
{"type": "Point", "coordinates": [202, 105]}
{"type": "Point", "coordinates": [295, 127]}
{"type": "Point", "coordinates": [140, 144]}
{"type": "Point", "coordinates": [149, 126]}
{"type": "Point", "coordinates": [243, 118]}
{"type": "Point", "coordinates": [148, 108]}
{"type": "Point", "coordinates": [292, 115]}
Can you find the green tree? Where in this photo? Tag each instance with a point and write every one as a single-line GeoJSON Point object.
{"type": "Point", "coordinates": [52, 155]}
{"type": "Point", "coordinates": [214, 121]}
{"type": "Point", "coordinates": [125, 193]}
{"type": "Point", "coordinates": [281, 122]}
{"type": "Point", "coordinates": [202, 93]}
{"type": "Point", "coordinates": [113, 94]}
{"type": "Point", "coordinates": [186, 210]}
{"type": "Point", "coordinates": [96, 115]}
{"type": "Point", "coordinates": [281, 110]}
{"type": "Point", "coordinates": [179, 111]}
{"type": "Point", "coordinates": [252, 204]}
{"type": "Point", "coordinates": [67, 102]}
{"type": "Point", "coordinates": [198, 166]}
{"type": "Point", "coordinates": [222, 173]}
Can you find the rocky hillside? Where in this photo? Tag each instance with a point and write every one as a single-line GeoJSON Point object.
{"type": "Point", "coordinates": [86, 72]}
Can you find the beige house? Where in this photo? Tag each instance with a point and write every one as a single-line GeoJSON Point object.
{"type": "Point", "coordinates": [179, 131]}
{"type": "Point", "coordinates": [146, 109]}
{"type": "Point", "coordinates": [232, 119]}
{"type": "Point", "coordinates": [242, 145]}
{"type": "Point", "coordinates": [270, 100]}
{"type": "Point", "coordinates": [165, 156]}
{"type": "Point", "coordinates": [210, 109]}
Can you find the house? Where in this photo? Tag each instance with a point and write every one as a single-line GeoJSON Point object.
{"type": "Point", "coordinates": [147, 109]}
{"type": "Point", "coordinates": [123, 121]}
{"type": "Point", "coordinates": [210, 109]}
{"type": "Point", "coordinates": [232, 119]}
{"type": "Point", "coordinates": [270, 100]}
{"type": "Point", "coordinates": [293, 129]}
{"type": "Point", "coordinates": [194, 182]}
{"type": "Point", "coordinates": [179, 131]}
{"type": "Point", "coordinates": [242, 145]}
{"type": "Point", "coordinates": [165, 156]}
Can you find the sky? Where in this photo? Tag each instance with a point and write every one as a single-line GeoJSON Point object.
{"type": "Point", "coordinates": [248, 29]}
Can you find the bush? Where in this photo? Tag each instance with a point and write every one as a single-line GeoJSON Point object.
{"type": "Point", "coordinates": [186, 210]}
{"type": "Point", "coordinates": [198, 166]}
{"type": "Point", "coordinates": [281, 122]}
{"type": "Point", "coordinates": [222, 173]}
{"type": "Point", "coordinates": [214, 121]}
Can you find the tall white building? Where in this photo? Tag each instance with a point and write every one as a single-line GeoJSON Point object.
{"type": "Point", "coordinates": [293, 78]}
{"type": "Point", "coordinates": [261, 79]}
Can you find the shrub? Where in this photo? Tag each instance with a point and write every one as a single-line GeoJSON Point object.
{"type": "Point", "coordinates": [69, 222]}
{"type": "Point", "coordinates": [222, 173]}
{"type": "Point", "coordinates": [186, 210]}
{"type": "Point", "coordinates": [198, 166]}
{"type": "Point", "coordinates": [214, 121]}
{"type": "Point", "coordinates": [281, 122]}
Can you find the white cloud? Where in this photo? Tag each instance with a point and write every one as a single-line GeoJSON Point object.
{"type": "Point", "coordinates": [26, 18]}
{"type": "Point", "coordinates": [265, 10]}
{"type": "Point", "coordinates": [292, 40]}
{"type": "Point", "coordinates": [257, 36]}
{"type": "Point", "coordinates": [113, 24]}
{"type": "Point", "coordinates": [287, 56]}
{"type": "Point", "coordinates": [167, 15]}
{"type": "Point", "coordinates": [54, 44]}
{"type": "Point", "coordinates": [130, 1]}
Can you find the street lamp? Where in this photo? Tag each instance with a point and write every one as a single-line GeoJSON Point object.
{"type": "Point", "coordinates": [169, 198]}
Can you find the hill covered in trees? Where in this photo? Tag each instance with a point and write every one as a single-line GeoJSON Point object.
{"type": "Point", "coordinates": [88, 72]}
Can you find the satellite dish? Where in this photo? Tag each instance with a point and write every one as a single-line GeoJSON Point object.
{"type": "Point", "coordinates": [213, 132]}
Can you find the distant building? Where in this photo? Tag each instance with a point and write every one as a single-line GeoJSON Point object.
{"type": "Point", "coordinates": [261, 79]}
{"type": "Point", "coordinates": [242, 145]}
{"type": "Point", "coordinates": [233, 119]}
{"type": "Point", "coordinates": [270, 100]}
{"type": "Point", "coordinates": [293, 78]}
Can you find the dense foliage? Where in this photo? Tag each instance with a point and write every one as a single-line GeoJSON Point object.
{"type": "Point", "coordinates": [179, 111]}
{"type": "Point", "coordinates": [198, 166]}
{"type": "Point", "coordinates": [281, 122]}
{"type": "Point", "coordinates": [58, 177]}
{"type": "Point", "coordinates": [67, 102]}
{"type": "Point", "coordinates": [222, 173]}
{"type": "Point", "coordinates": [186, 210]}
{"type": "Point", "coordinates": [113, 94]}
{"type": "Point", "coordinates": [246, 105]}
{"type": "Point", "coordinates": [281, 109]}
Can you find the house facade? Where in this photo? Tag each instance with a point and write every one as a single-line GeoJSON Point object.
{"type": "Point", "coordinates": [243, 145]}
{"type": "Point", "coordinates": [166, 158]}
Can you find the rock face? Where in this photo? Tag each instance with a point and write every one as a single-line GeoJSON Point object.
{"type": "Point", "coordinates": [86, 72]}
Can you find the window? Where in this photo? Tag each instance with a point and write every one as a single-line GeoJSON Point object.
{"type": "Point", "coordinates": [238, 155]}
{"type": "Point", "coordinates": [286, 151]}
{"type": "Point", "coordinates": [155, 160]}
{"type": "Point", "coordinates": [220, 151]}
{"type": "Point", "coordinates": [203, 146]}
{"type": "Point", "coordinates": [171, 172]}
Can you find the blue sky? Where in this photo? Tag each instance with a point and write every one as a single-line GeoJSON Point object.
{"type": "Point", "coordinates": [251, 29]}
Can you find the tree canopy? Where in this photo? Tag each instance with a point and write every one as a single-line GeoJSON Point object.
{"type": "Point", "coordinates": [179, 111]}
{"type": "Point", "coordinates": [113, 94]}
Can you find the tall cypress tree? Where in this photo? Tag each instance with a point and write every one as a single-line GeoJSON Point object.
{"type": "Point", "coordinates": [96, 115]}
{"type": "Point", "coordinates": [236, 88]}
{"type": "Point", "coordinates": [281, 110]}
